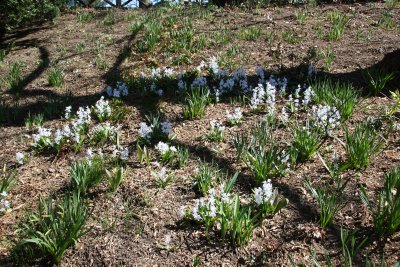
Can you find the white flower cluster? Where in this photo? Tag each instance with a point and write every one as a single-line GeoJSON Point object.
{"type": "Point", "coordinates": [264, 194]}
{"type": "Point", "coordinates": [325, 117]}
{"type": "Point", "coordinates": [4, 203]}
{"type": "Point", "coordinates": [164, 148]}
{"type": "Point", "coordinates": [20, 158]}
{"type": "Point", "coordinates": [43, 134]}
{"type": "Point", "coordinates": [106, 129]}
{"type": "Point", "coordinates": [235, 117]}
{"type": "Point", "coordinates": [102, 109]}
{"type": "Point", "coordinates": [216, 126]}
{"type": "Point", "coordinates": [161, 175]}
{"type": "Point", "coordinates": [284, 117]}
{"type": "Point", "coordinates": [162, 72]}
{"type": "Point", "coordinates": [205, 207]}
{"type": "Point", "coordinates": [146, 131]}
{"type": "Point", "coordinates": [155, 90]}
{"type": "Point", "coordinates": [121, 153]}
{"type": "Point", "coordinates": [120, 90]}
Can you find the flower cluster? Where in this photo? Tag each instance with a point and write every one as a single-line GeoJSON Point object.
{"type": "Point", "coordinates": [205, 207]}
{"type": "Point", "coordinates": [326, 118]}
{"type": "Point", "coordinates": [216, 132]}
{"type": "Point", "coordinates": [164, 148]}
{"type": "Point", "coordinates": [121, 153]}
{"type": "Point", "coordinates": [149, 132]}
{"type": "Point", "coordinates": [120, 90]}
{"type": "Point", "coordinates": [20, 158]}
{"type": "Point", "coordinates": [234, 118]}
{"type": "Point", "coordinates": [102, 109]}
{"type": "Point", "coordinates": [5, 205]}
{"type": "Point", "coordinates": [162, 177]}
{"type": "Point", "coordinates": [263, 194]}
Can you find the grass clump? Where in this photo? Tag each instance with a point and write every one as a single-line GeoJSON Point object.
{"type": "Point", "coordinates": [386, 213]}
{"type": "Point", "coordinates": [52, 229]}
{"type": "Point", "coordinates": [55, 77]}
{"type": "Point", "coordinates": [342, 96]}
{"type": "Point", "coordinates": [87, 173]}
{"type": "Point", "coordinates": [362, 145]}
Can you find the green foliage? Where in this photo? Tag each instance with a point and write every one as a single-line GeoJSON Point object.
{"type": "Point", "coordinates": [386, 213]}
{"type": "Point", "coordinates": [143, 154]}
{"type": "Point", "coordinates": [350, 247]}
{"type": "Point", "coordinates": [329, 200]}
{"type": "Point", "coordinates": [19, 13]}
{"type": "Point", "coordinates": [290, 36]}
{"type": "Point", "coordinates": [377, 78]}
{"type": "Point", "coordinates": [252, 33]}
{"type": "Point", "coordinates": [87, 173]}
{"type": "Point", "coordinates": [196, 102]}
{"type": "Point", "coordinates": [84, 17]}
{"type": "Point", "coordinates": [339, 21]}
{"type": "Point", "coordinates": [8, 179]}
{"type": "Point", "coordinates": [306, 141]}
{"type": "Point", "coordinates": [115, 177]}
{"type": "Point", "coordinates": [362, 145]}
{"type": "Point", "coordinates": [342, 96]}
{"type": "Point", "coordinates": [207, 177]}
{"type": "Point", "coordinates": [55, 77]}
{"type": "Point", "coordinates": [34, 121]}
{"type": "Point", "coordinates": [56, 226]}
{"type": "Point", "coordinates": [14, 77]}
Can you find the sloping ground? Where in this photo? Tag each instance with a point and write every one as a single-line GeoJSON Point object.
{"type": "Point", "coordinates": [129, 227]}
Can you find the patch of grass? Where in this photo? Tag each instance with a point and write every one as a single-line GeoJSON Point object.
{"type": "Point", "coordinates": [252, 33]}
{"type": "Point", "coordinates": [301, 16]}
{"type": "Point", "coordinates": [14, 77]}
{"type": "Point", "coordinates": [328, 56]}
{"type": "Point", "coordinates": [377, 78]}
{"type": "Point", "coordinates": [362, 145]}
{"type": "Point", "coordinates": [342, 96]}
{"type": "Point", "coordinates": [84, 17]}
{"type": "Point", "coordinates": [56, 226]}
{"type": "Point", "coordinates": [329, 200]}
{"type": "Point", "coordinates": [306, 141]}
{"type": "Point", "coordinates": [36, 120]}
{"type": "Point", "coordinates": [339, 21]}
{"type": "Point", "coordinates": [55, 77]}
{"type": "Point", "coordinates": [290, 36]}
{"type": "Point", "coordinates": [86, 173]}
{"type": "Point", "coordinates": [196, 102]}
{"type": "Point", "coordinates": [386, 213]}
{"type": "Point", "coordinates": [115, 178]}
{"type": "Point", "coordinates": [8, 179]}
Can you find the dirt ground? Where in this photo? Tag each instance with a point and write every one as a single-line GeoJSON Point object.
{"type": "Point", "coordinates": [128, 228]}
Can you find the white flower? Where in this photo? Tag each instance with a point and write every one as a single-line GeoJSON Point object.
{"type": "Point", "coordinates": [167, 239]}
{"type": "Point", "coordinates": [166, 127]}
{"type": "Point", "coordinates": [284, 116]}
{"type": "Point", "coordinates": [325, 117]}
{"type": "Point", "coordinates": [42, 132]}
{"type": "Point", "coordinates": [102, 108]}
{"type": "Point", "coordinates": [162, 147]}
{"type": "Point", "coordinates": [124, 155]}
{"type": "Point", "coordinates": [145, 131]}
{"type": "Point", "coordinates": [213, 65]}
{"type": "Point", "coordinates": [236, 117]}
{"type": "Point", "coordinates": [263, 194]}
{"type": "Point", "coordinates": [58, 136]}
{"type": "Point", "coordinates": [182, 212]}
{"type": "Point", "coordinates": [68, 112]}
{"type": "Point", "coordinates": [19, 156]}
